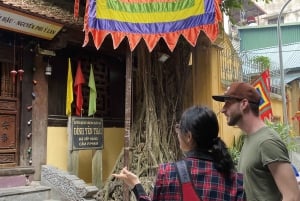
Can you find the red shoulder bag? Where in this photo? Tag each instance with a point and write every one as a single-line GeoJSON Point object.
{"type": "Point", "coordinates": [188, 191]}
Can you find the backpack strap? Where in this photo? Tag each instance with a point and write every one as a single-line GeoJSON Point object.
{"type": "Point", "coordinates": [188, 191]}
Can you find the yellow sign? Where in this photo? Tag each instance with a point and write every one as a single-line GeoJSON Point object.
{"type": "Point", "coordinates": [27, 24]}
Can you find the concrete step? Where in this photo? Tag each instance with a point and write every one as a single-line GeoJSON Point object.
{"type": "Point", "coordinates": [15, 176]}
{"type": "Point", "coordinates": [33, 192]}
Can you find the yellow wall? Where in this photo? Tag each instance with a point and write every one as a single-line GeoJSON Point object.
{"type": "Point", "coordinates": [206, 82]}
{"type": "Point", "coordinates": [57, 151]}
{"type": "Point", "coordinates": [276, 104]}
{"type": "Point", "coordinates": [293, 100]}
{"type": "Point", "coordinates": [57, 147]}
{"type": "Point", "coordinates": [113, 144]}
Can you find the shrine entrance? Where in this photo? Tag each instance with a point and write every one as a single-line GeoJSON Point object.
{"type": "Point", "coordinates": [9, 115]}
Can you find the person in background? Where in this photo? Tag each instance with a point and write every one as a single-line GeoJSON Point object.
{"type": "Point", "coordinates": [264, 159]}
{"type": "Point", "coordinates": [209, 164]}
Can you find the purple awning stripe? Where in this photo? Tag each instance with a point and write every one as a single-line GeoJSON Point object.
{"type": "Point", "coordinates": [152, 28]}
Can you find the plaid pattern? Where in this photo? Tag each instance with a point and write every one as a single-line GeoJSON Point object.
{"type": "Point", "coordinates": [208, 182]}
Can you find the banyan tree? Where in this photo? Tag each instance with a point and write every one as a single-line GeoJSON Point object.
{"type": "Point", "coordinates": [156, 90]}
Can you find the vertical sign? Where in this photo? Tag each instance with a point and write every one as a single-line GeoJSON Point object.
{"type": "Point", "coordinates": [87, 133]}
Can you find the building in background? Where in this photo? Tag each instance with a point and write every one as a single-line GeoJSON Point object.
{"type": "Point", "coordinates": [254, 34]}
{"type": "Point", "coordinates": [290, 14]}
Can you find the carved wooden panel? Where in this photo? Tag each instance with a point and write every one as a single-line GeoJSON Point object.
{"type": "Point", "coordinates": [8, 105]}
{"type": "Point", "coordinates": [8, 116]}
{"type": "Point", "coordinates": [7, 158]}
{"type": "Point", "coordinates": [7, 84]}
{"type": "Point", "coordinates": [7, 131]}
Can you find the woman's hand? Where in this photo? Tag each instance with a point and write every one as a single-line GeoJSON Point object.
{"type": "Point", "coordinates": [128, 177]}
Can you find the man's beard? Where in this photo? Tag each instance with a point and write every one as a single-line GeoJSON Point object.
{"type": "Point", "coordinates": [234, 118]}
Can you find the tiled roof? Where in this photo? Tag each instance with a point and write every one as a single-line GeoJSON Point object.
{"type": "Point", "coordinates": [56, 10]}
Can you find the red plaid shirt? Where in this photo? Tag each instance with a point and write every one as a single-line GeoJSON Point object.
{"type": "Point", "coordinates": [208, 182]}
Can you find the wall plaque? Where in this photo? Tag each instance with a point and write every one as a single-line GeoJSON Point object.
{"type": "Point", "coordinates": [27, 24]}
{"type": "Point", "coordinates": [87, 133]}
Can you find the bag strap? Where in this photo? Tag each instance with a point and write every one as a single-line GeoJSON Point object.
{"type": "Point", "coordinates": [188, 191]}
{"type": "Point", "coordinates": [183, 172]}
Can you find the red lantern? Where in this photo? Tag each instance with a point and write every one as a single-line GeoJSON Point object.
{"type": "Point", "coordinates": [13, 73]}
{"type": "Point", "coordinates": [20, 72]}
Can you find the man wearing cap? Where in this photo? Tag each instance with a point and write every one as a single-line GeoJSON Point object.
{"type": "Point", "coordinates": [264, 159]}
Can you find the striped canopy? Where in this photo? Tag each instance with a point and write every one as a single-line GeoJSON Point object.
{"type": "Point", "coordinates": [151, 20]}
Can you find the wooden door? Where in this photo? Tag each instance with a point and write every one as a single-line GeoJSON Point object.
{"type": "Point", "coordinates": [9, 117]}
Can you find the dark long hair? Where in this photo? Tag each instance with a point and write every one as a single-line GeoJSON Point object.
{"type": "Point", "coordinates": [203, 124]}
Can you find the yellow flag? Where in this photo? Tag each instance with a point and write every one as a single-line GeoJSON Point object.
{"type": "Point", "coordinates": [69, 98]}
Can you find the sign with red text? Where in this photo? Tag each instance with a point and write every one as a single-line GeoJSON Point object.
{"type": "Point", "coordinates": [23, 23]}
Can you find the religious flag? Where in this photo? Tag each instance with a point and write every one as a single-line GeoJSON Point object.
{"type": "Point", "coordinates": [262, 85]}
{"type": "Point", "coordinates": [79, 81]}
{"type": "Point", "coordinates": [69, 98]}
{"type": "Point", "coordinates": [93, 93]}
{"type": "Point", "coordinates": [151, 20]}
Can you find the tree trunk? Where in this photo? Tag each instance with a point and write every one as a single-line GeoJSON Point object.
{"type": "Point", "coordinates": [158, 93]}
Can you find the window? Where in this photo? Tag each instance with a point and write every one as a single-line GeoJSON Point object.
{"type": "Point", "coordinates": [109, 77]}
{"type": "Point", "coordinates": [274, 20]}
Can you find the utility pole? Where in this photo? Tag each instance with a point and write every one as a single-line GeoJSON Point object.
{"type": "Point", "coordinates": [284, 109]}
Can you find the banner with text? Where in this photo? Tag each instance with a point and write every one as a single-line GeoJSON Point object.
{"type": "Point", "coordinates": [23, 23]}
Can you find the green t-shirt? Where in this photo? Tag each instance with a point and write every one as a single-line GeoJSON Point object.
{"type": "Point", "coordinates": [259, 150]}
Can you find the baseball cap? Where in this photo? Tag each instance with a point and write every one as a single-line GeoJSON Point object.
{"type": "Point", "coordinates": [240, 91]}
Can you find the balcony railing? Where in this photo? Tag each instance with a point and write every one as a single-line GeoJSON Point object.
{"type": "Point", "coordinates": [235, 67]}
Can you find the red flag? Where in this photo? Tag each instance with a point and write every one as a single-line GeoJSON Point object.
{"type": "Point", "coordinates": [262, 85]}
{"type": "Point", "coordinates": [79, 80]}
{"type": "Point", "coordinates": [76, 9]}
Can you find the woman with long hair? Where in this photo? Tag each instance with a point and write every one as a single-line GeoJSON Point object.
{"type": "Point", "coordinates": [209, 167]}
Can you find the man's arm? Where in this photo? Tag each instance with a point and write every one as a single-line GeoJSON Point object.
{"type": "Point", "coordinates": [285, 179]}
